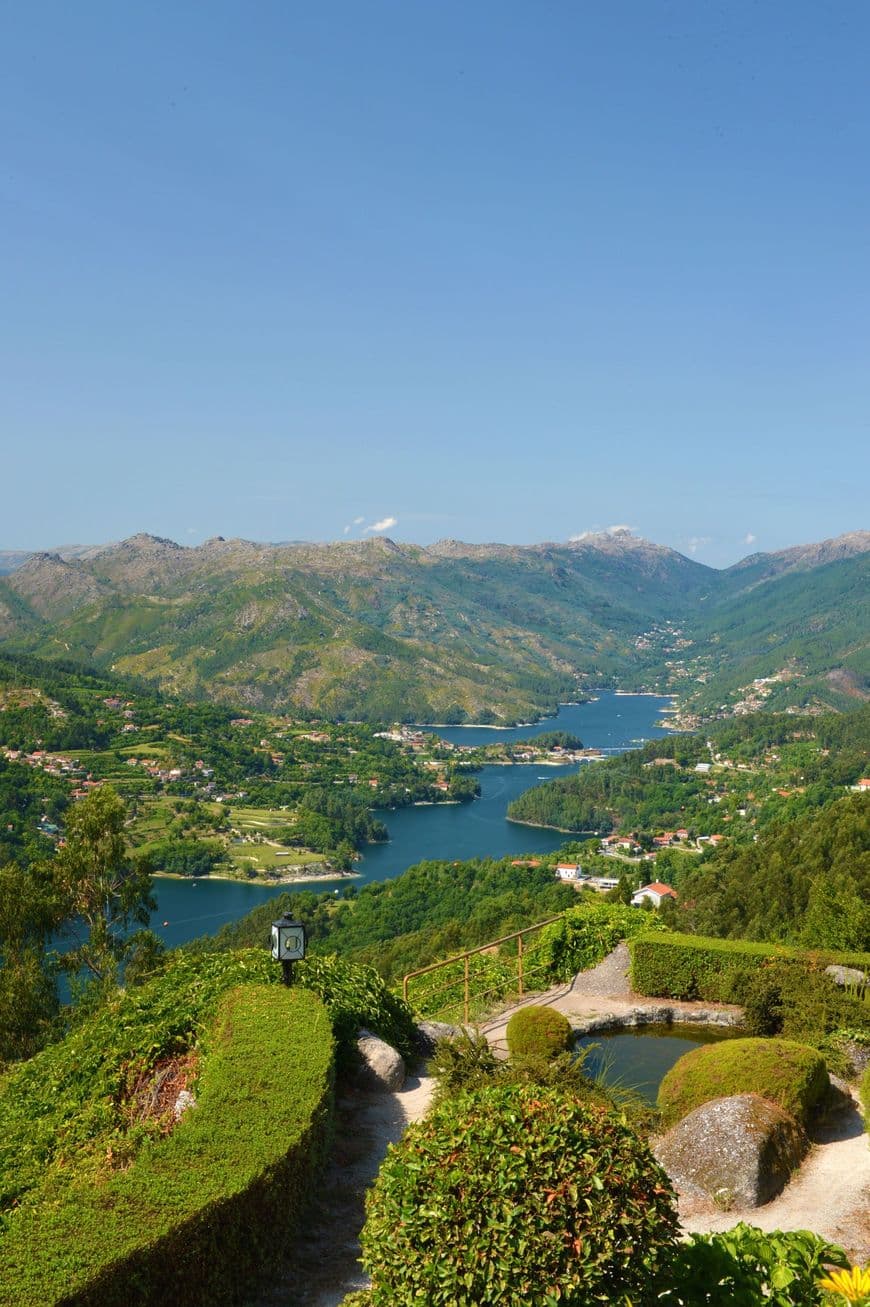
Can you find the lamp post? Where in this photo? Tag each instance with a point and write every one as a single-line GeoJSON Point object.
{"type": "Point", "coordinates": [288, 944]}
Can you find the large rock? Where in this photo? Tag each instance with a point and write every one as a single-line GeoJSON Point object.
{"type": "Point", "coordinates": [428, 1033]}
{"type": "Point", "coordinates": [381, 1069]}
{"type": "Point", "coordinates": [739, 1151]}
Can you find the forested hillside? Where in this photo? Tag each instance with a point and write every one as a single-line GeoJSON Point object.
{"type": "Point", "coordinates": [731, 780]}
{"type": "Point", "coordinates": [806, 881]}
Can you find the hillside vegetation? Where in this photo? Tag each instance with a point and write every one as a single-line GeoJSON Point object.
{"type": "Point", "coordinates": [385, 631]}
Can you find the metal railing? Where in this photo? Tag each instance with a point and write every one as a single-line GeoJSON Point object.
{"type": "Point", "coordinates": [513, 971]}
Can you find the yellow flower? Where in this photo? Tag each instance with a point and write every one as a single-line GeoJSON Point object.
{"type": "Point", "coordinates": [853, 1284]}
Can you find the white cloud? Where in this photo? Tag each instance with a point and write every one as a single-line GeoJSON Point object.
{"type": "Point", "coordinates": [698, 542]}
{"type": "Point", "coordinates": [749, 538]}
{"type": "Point", "coordinates": [346, 529]}
{"type": "Point", "coordinates": [358, 521]}
{"type": "Point", "coordinates": [602, 531]}
{"type": "Point", "coordinates": [383, 525]}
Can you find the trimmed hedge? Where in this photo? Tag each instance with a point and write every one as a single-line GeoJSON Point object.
{"type": "Point", "coordinates": [865, 1098]}
{"type": "Point", "coordinates": [538, 1032]}
{"type": "Point", "coordinates": [716, 970]}
{"type": "Point", "coordinates": [201, 1212]}
{"type": "Point", "coordinates": [791, 1075]}
{"type": "Point", "coordinates": [517, 1194]}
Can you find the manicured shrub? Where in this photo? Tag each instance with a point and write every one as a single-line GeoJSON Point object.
{"type": "Point", "coordinates": [782, 998]}
{"type": "Point", "coordinates": [193, 1215]}
{"type": "Point", "coordinates": [538, 1032]}
{"type": "Point", "coordinates": [71, 1096]}
{"type": "Point", "coordinates": [865, 1098]}
{"type": "Point", "coordinates": [792, 1075]}
{"type": "Point", "coordinates": [716, 970]}
{"type": "Point", "coordinates": [517, 1194]}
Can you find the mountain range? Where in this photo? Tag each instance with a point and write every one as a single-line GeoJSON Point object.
{"type": "Point", "coordinates": [487, 632]}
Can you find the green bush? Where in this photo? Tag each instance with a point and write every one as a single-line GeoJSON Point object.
{"type": "Point", "coordinates": [781, 998]}
{"type": "Point", "coordinates": [195, 1214]}
{"type": "Point", "coordinates": [747, 1266]}
{"type": "Point", "coordinates": [69, 1100]}
{"type": "Point", "coordinates": [865, 1098]}
{"type": "Point", "coordinates": [514, 1194]}
{"type": "Point", "coordinates": [465, 1062]}
{"type": "Point", "coordinates": [357, 996]}
{"type": "Point", "coordinates": [584, 935]}
{"type": "Point", "coordinates": [538, 1032]}
{"type": "Point", "coordinates": [716, 970]}
{"type": "Point", "coordinates": [792, 1075]}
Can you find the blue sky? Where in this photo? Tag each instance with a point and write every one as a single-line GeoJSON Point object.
{"type": "Point", "coordinates": [498, 271]}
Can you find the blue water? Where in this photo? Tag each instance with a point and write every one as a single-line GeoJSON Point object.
{"type": "Point", "coordinates": [450, 831]}
{"type": "Point", "coordinates": [640, 1059]}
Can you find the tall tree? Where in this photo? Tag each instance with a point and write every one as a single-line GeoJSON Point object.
{"type": "Point", "coordinates": [101, 892]}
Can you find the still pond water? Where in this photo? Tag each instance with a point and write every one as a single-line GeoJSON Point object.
{"type": "Point", "coordinates": [639, 1059]}
{"type": "Point", "coordinates": [451, 831]}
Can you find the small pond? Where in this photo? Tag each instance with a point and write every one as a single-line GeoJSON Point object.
{"type": "Point", "coordinates": [640, 1057]}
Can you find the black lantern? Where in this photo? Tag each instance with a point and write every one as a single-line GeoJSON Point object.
{"type": "Point", "coordinates": [288, 944]}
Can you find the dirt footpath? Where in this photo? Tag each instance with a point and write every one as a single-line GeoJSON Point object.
{"type": "Point", "coordinates": [325, 1266]}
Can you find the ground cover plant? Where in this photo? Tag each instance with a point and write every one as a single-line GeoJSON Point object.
{"type": "Point", "coordinates": [517, 1193]}
{"type": "Point", "coordinates": [792, 1075]}
{"type": "Point", "coordinates": [584, 935]}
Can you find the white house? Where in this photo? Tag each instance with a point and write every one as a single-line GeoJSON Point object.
{"type": "Point", "coordinates": [569, 871]}
{"type": "Point", "coordinates": [655, 893]}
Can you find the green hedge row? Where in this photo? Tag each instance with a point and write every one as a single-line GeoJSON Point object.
{"type": "Point", "coordinates": [198, 1213]}
{"type": "Point", "coordinates": [715, 970]}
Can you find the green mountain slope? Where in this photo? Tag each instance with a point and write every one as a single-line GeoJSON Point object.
{"type": "Point", "coordinates": [375, 630]}
{"type": "Point", "coordinates": [383, 631]}
{"type": "Point", "coordinates": [808, 629]}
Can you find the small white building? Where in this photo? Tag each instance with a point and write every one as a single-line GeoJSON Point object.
{"type": "Point", "coordinates": [654, 893]}
{"type": "Point", "coordinates": [569, 871]}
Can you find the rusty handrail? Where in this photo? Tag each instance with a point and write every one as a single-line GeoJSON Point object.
{"type": "Point", "coordinates": [481, 948]}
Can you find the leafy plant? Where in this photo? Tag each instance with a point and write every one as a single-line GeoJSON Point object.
{"type": "Point", "coordinates": [517, 1193]}
{"type": "Point", "coordinates": [745, 1266]}
{"type": "Point", "coordinates": [463, 1062]}
{"type": "Point", "coordinates": [584, 935]}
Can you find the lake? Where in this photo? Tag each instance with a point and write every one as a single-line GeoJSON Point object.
{"type": "Point", "coordinates": [451, 831]}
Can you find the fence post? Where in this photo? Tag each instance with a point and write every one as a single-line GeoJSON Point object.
{"type": "Point", "coordinates": [405, 988]}
{"type": "Point", "coordinates": [520, 964]}
{"type": "Point", "coordinates": [466, 990]}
